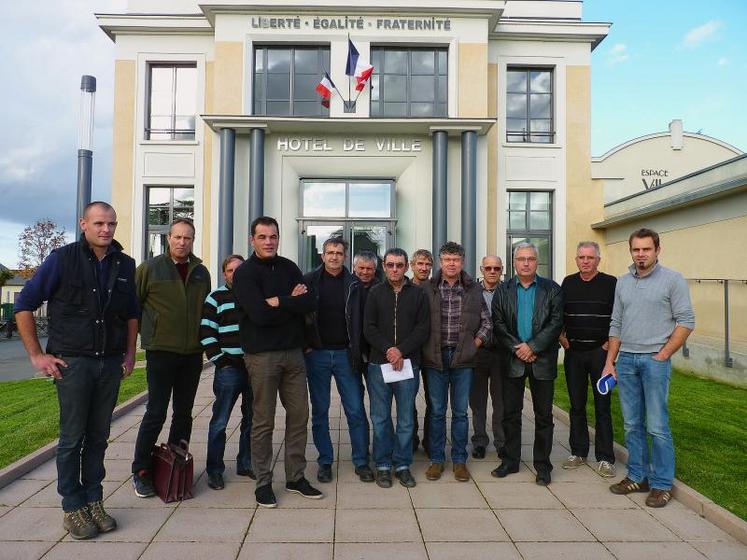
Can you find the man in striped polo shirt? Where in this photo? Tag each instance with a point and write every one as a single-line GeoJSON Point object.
{"type": "Point", "coordinates": [219, 334]}
{"type": "Point", "coordinates": [588, 298]}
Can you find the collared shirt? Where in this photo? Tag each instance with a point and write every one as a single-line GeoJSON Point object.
{"type": "Point", "coordinates": [451, 314]}
{"type": "Point", "coordinates": [487, 295]}
{"type": "Point", "coordinates": [525, 308]}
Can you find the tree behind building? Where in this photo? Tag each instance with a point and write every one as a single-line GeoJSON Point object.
{"type": "Point", "coordinates": [35, 243]}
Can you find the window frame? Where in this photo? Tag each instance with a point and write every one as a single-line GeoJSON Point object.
{"type": "Point", "coordinates": [320, 48]}
{"type": "Point", "coordinates": [528, 233]}
{"type": "Point", "coordinates": [173, 131]}
{"type": "Point", "coordinates": [525, 137]}
{"type": "Point", "coordinates": [378, 76]}
{"type": "Point", "coordinates": [162, 229]}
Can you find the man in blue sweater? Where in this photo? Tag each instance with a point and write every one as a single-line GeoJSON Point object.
{"type": "Point", "coordinates": [651, 319]}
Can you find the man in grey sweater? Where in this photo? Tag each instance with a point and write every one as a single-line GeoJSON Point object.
{"type": "Point", "coordinates": [651, 319]}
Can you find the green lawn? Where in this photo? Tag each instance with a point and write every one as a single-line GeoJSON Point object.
{"type": "Point", "coordinates": [710, 435]}
{"type": "Point", "coordinates": [29, 413]}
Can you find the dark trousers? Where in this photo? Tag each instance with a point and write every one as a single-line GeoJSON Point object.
{"type": "Point", "coordinates": [487, 377]}
{"type": "Point", "coordinates": [282, 373]}
{"type": "Point", "coordinates": [87, 394]}
{"type": "Point", "coordinates": [169, 374]}
{"type": "Point", "coordinates": [580, 366]}
{"type": "Point", "coordinates": [229, 383]}
{"type": "Point", "coordinates": [513, 403]}
{"type": "Point", "coordinates": [427, 420]}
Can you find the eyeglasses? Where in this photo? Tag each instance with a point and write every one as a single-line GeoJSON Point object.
{"type": "Point", "coordinates": [397, 265]}
{"type": "Point", "coordinates": [492, 268]}
{"type": "Point", "coordinates": [525, 259]}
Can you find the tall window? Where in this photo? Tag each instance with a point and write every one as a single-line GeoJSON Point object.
{"type": "Point", "coordinates": [164, 205]}
{"type": "Point", "coordinates": [285, 80]}
{"type": "Point", "coordinates": [530, 219]}
{"type": "Point", "coordinates": [172, 102]}
{"type": "Point", "coordinates": [361, 212]}
{"type": "Point", "coordinates": [529, 105]}
{"type": "Point", "coordinates": [409, 82]}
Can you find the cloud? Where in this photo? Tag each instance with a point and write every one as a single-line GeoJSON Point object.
{"type": "Point", "coordinates": [698, 35]}
{"type": "Point", "coordinates": [616, 54]}
{"type": "Point", "coordinates": [723, 61]}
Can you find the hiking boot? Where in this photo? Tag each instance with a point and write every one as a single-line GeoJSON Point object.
{"type": "Point", "coordinates": [434, 471]}
{"type": "Point", "coordinates": [543, 477]}
{"type": "Point", "coordinates": [461, 473]}
{"type": "Point", "coordinates": [658, 498]}
{"type": "Point", "coordinates": [302, 486]}
{"type": "Point", "coordinates": [79, 524]}
{"type": "Point", "coordinates": [384, 478]}
{"type": "Point", "coordinates": [104, 522]}
{"type": "Point", "coordinates": [266, 497]}
{"type": "Point", "coordinates": [573, 462]}
{"type": "Point", "coordinates": [143, 484]}
{"type": "Point", "coordinates": [324, 474]}
{"type": "Point", "coordinates": [215, 481]}
{"type": "Point", "coordinates": [627, 486]}
{"type": "Point", "coordinates": [605, 469]}
{"type": "Point", "coordinates": [405, 478]}
{"type": "Point", "coordinates": [365, 474]}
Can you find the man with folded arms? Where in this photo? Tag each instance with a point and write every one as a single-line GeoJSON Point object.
{"type": "Point", "coordinates": [460, 324]}
{"type": "Point", "coordinates": [651, 319]}
{"type": "Point", "coordinates": [527, 320]}
{"type": "Point", "coordinates": [396, 324]}
{"type": "Point", "coordinates": [588, 296]}
{"type": "Point", "coordinates": [274, 300]}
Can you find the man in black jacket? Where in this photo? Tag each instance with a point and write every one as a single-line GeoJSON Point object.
{"type": "Point", "coordinates": [90, 289]}
{"type": "Point", "coordinates": [527, 320]}
{"type": "Point", "coordinates": [364, 278]}
{"type": "Point", "coordinates": [329, 340]}
{"type": "Point", "coordinates": [270, 291]}
{"type": "Point", "coordinates": [396, 324]}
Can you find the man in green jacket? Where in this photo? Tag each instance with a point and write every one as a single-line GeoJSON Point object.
{"type": "Point", "coordinates": [171, 289]}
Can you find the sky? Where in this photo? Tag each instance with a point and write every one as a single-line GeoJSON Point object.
{"type": "Point", "coordinates": [662, 60]}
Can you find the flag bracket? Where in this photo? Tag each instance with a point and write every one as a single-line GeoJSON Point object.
{"type": "Point", "coordinates": [349, 105]}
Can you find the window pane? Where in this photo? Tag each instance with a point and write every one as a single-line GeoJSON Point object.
{"type": "Point", "coordinates": [516, 105]}
{"type": "Point", "coordinates": [259, 60]}
{"type": "Point", "coordinates": [160, 122]}
{"type": "Point", "coordinates": [304, 87]}
{"type": "Point", "coordinates": [376, 58]}
{"type": "Point", "coordinates": [395, 88]}
{"type": "Point", "coordinates": [540, 105]}
{"type": "Point", "coordinates": [516, 125]}
{"type": "Point", "coordinates": [184, 197]}
{"type": "Point", "coordinates": [441, 110]}
{"type": "Point", "coordinates": [315, 237]}
{"type": "Point", "coordinates": [278, 86]}
{"type": "Point", "coordinates": [442, 88]}
{"type": "Point", "coordinates": [157, 244]}
{"type": "Point", "coordinates": [517, 200]}
{"type": "Point", "coordinates": [375, 87]}
{"type": "Point", "coordinates": [443, 64]}
{"type": "Point", "coordinates": [539, 201]}
{"type": "Point", "coordinates": [324, 199]}
{"type": "Point", "coordinates": [418, 110]}
{"type": "Point", "coordinates": [159, 196]}
{"type": "Point", "coordinates": [395, 62]}
{"type": "Point", "coordinates": [308, 108]}
{"type": "Point", "coordinates": [516, 81]}
{"type": "Point", "coordinates": [423, 62]}
{"type": "Point", "coordinates": [369, 200]}
{"type": "Point", "coordinates": [540, 81]}
{"type": "Point", "coordinates": [539, 220]}
{"type": "Point", "coordinates": [422, 88]}
{"type": "Point", "coordinates": [517, 220]}
{"type": "Point", "coordinates": [186, 91]}
{"type": "Point", "coordinates": [540, 125]}
{"type": "Point", "coordinates": [306, 60]}
{"type": "Point", "coordinates": [259, 86]}
{"type": "Point", "coordinates": [278, 107]}
{"type": "Point", "coordinates": [158, 215]}
{"type": "Point", "coordinates": [395, 109]}
{"type": "Point", "coordinates": [369, 238]}
{"type": "Point", "coordinates": [278, 60]}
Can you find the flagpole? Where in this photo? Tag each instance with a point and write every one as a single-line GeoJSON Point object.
{"type": "Point", "coordinates": [349, 95]}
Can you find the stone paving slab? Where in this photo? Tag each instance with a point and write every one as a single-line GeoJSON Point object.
{"type": "Point", "coordinates": [576, 517]}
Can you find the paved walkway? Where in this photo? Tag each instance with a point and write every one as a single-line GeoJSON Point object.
{"type": "Point", "coordinates": [576, 517]}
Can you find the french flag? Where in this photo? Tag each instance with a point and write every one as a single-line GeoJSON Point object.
{"type": "Point", "coordinates": [324, 88]}
{"type": "Point", "coordinates": [357, 66]}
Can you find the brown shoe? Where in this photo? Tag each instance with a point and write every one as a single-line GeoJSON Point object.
{"type": "Point", "coordinates": [434, 471]}
{"type": "Point", "coordinates": [461, 473]}
{"type": "Point", "coordinates": [627, 486]}
{"type": "Point", "coordinates": [658, 498]}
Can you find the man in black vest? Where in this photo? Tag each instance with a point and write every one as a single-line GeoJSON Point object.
{"type": "Point", "coordinates": [89, 287]}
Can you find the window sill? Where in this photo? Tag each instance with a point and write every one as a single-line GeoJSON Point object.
{"type": "Point", "coordinates": [169, 143]}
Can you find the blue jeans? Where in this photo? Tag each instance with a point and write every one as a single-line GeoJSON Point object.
{"type": "Point", "coordinates": [454, 383]}
{"type": "Point", "coordinates": [644, 391]}
{"type": "Point", "coordinates": [228, 383]}
{"type": "Point", "coordinates": [87, 394]}
{"type": "Point", "coordinates": [321, 366]}
{"type": "Point", "coordinates": [390, 450]}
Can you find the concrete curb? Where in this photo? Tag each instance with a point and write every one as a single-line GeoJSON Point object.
{"type": "Point", "coordinates": [32, 460]}
{"type": "Point", "coordinates": [690, 498]}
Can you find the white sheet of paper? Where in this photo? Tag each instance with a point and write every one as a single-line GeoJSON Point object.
{"type": "Point", "coordinates": [390, 375]}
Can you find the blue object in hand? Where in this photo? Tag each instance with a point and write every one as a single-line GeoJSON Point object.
{"type": "Point", "coordinates": [606, 383]}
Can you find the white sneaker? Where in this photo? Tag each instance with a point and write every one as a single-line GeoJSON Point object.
{"type": "Point", "coordinates": [605, 469]}
{"type": "Point", "coordinates": [573, 462]}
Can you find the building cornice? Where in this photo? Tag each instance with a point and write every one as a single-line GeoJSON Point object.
{"type": "Point", "coordinates": [154, 24]}
{"type": "Point", "coordinates": [552, 30]}
{"type": "Point", "coordinates": [599, 159]}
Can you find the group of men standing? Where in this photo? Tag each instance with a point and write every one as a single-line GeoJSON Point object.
{"type": "Point", "coordinates": [270, 331]}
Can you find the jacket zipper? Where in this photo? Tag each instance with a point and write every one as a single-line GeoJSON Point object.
{"type": "Point", "coordinates": [396, 300]}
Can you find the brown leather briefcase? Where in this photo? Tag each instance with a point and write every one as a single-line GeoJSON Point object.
{"type": "Point", "coordinates": [173, 471]}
